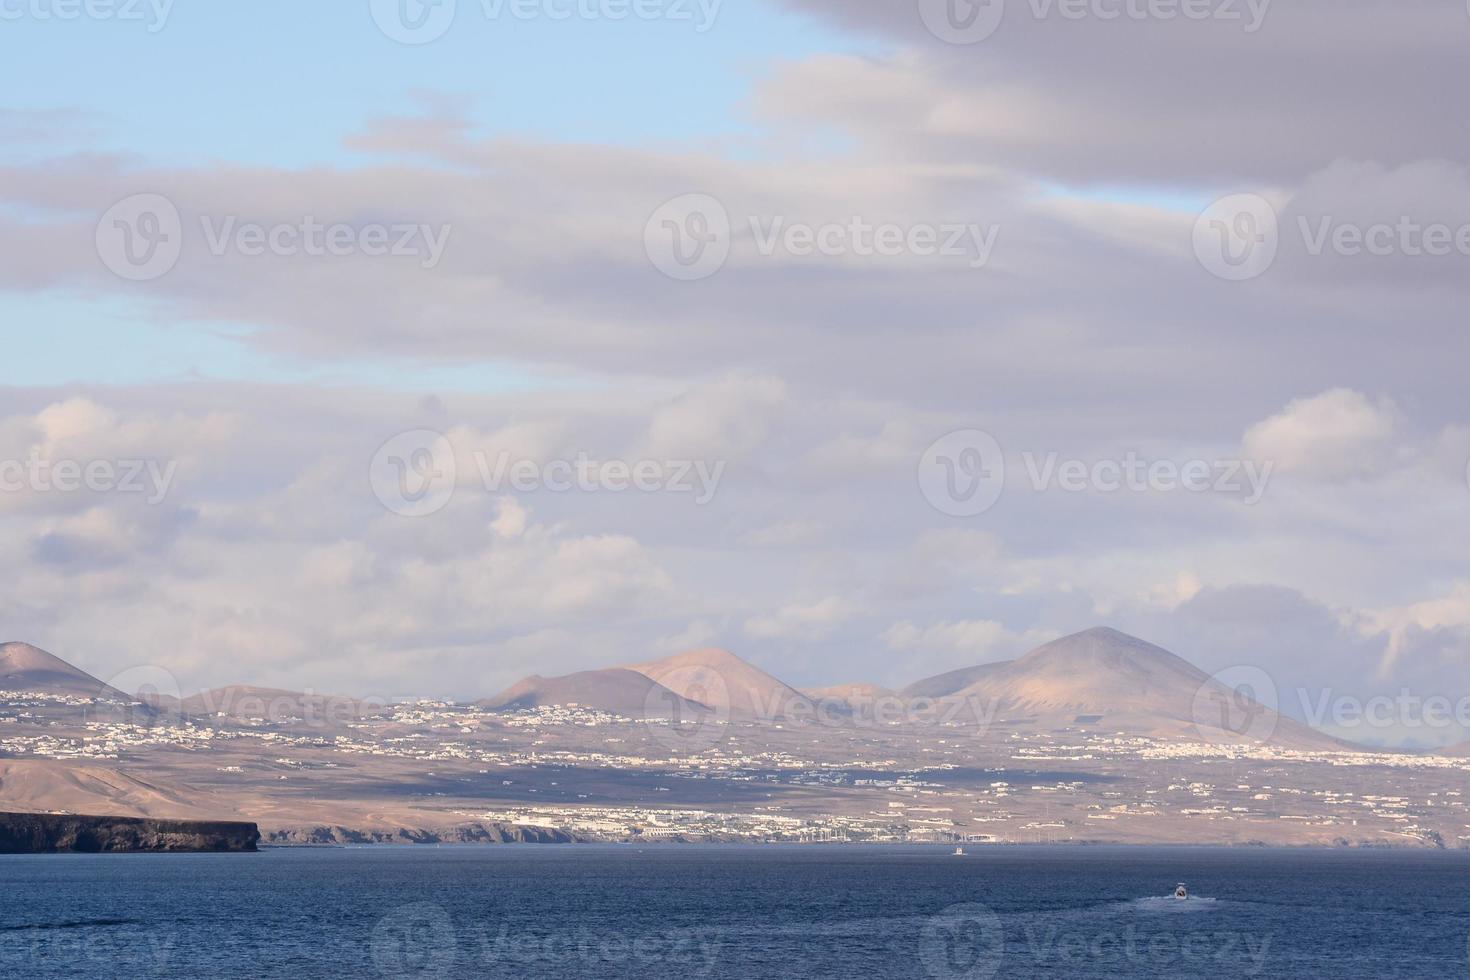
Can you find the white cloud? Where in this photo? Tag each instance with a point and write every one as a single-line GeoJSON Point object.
{"type": "Point", "coordinates": [1339, 433]}
{"type": "Point", "coordinates": [802, 620]}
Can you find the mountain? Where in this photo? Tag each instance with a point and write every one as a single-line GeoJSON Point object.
{"type": "Point", "coordinates": [27, 668]}
{"type": "Point", "coordinates": [726, 683]}
{"type": "Point", "coordinates": [948, 683]}
{"type": "Point", "coordinates": [1105, 679]}
{"type": "Point", "coordinates": [620, 691]}
{"type": "Point", "coordinates": [1097, 671]}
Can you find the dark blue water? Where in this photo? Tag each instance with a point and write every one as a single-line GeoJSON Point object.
{"type": "Point", "coordinates": [737, 912]}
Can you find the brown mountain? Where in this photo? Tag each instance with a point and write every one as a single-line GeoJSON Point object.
{"type": "Point", "coordinates": [726, 683]}
{"type": "Point", "coordinates": [620, 691]}
{"type": "Point", "coordinates": [27, 668]}
{"type": "Point", "coordinates": [948, 683]}
{"type": "Point", "coordinates": [1105, 679]}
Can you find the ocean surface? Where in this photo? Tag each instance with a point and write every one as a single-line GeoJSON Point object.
{"type": "Point", "coordinates": [746, 912]}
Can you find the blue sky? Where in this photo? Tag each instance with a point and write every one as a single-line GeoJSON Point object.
{"type": "Point", "coordinates": [276, 82]}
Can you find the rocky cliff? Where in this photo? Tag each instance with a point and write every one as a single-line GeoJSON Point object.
{"type": "Point", "coordinates": [48, 833]}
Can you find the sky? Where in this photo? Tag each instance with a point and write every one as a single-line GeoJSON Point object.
{"type": "Point", "coordinates": [418, 347]}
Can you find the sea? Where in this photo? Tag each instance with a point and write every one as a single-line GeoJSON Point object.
{"type": "Point", "coordinates": [737, 912]}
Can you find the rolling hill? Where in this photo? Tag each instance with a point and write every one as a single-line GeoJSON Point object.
{"type": "Point", "coordinates": [617, 690]}
{"type": "Point", "coordinates": [27, 668]}
{"type": "Point", "coordinates": [727, 684]}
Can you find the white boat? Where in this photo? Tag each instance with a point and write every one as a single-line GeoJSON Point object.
{"type": "Point", "coordinates": [959, 852]}
{"type": "Point", "coordinates": [1180, 892]}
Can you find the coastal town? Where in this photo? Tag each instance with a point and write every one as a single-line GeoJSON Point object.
{"type": "Point", "coordinates": [591, 775]}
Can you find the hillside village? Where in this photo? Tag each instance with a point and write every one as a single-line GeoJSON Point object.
{"type": "Point", "coordinates": [419, 770]}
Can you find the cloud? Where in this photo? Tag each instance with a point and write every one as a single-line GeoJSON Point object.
{"type": "Point", "coordinates": [1339, 433]}
{"type": "Point", "coordinates": [1117, 101]}
{"type": "Point", "coordinates": [802, 620]}
{"type": "Point", "coordinates": [974, 638]}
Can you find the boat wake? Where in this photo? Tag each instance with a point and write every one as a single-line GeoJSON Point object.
{"type": "Point", "coordinates": [1168, 903]}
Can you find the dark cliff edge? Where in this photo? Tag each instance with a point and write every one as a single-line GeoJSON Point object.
{"type": "Point", "coordinates": [51, 833]}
